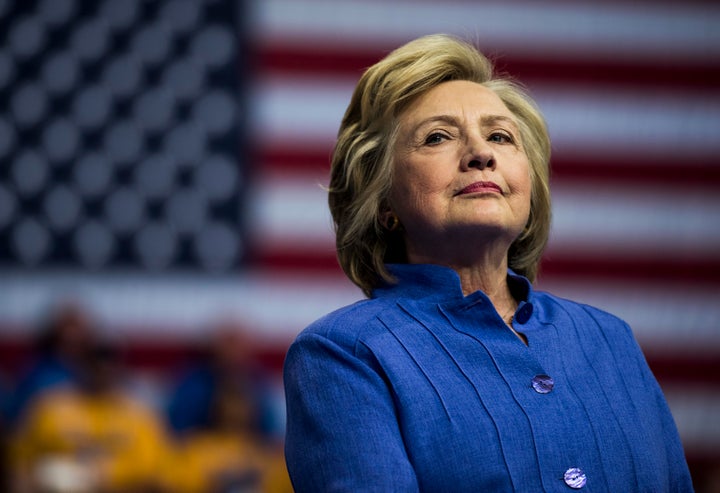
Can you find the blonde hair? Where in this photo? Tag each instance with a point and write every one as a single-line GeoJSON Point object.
{"type": "Point", "coordinates": [362, 162]}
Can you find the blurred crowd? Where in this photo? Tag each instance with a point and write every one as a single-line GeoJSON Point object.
{"type": "Point", "coordinates": [72, 423]}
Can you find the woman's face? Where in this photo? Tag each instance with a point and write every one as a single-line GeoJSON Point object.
{"type": "Point", "coordinates": [461, 176]}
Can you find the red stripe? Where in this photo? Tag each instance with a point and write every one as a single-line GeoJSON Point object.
{"type": "Point", "coordinates": [679, 269]}
{"type": "Point", "coordinates": [555, 265]}
{"type": "Point", "coordinates": [701, 369]}
{"type": "Point", "coordinates": [646, 169]}
{"type": "Point", "coordinates": [294, 260]}
{"type": "Point", "coordinates": [320, 59]}
{"type": "Point", "coordinates": [673, 74]}
{"type": "Point", "coordinates": [170, 355]}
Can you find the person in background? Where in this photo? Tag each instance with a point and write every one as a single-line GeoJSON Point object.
{"type": "Point", "coordinates": [226, 360]}
{"type": "Point", "coordinates": [456, 375]}
{"type": "Point", "coordinates": [89, 436]}
{"type": "Point", "coordinates": [4, 430]}
{"type": "Point", "coordinates": [60, 346]}
{"type": "Point", "coordinates": [231, 453]}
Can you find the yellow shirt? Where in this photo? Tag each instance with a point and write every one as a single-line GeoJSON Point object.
{"type": "Point", "coordinates": [111, 440]}
{"type": "Point", "coordinates": [209, 459]}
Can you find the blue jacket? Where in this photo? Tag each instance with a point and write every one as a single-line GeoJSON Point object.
{"type": "Point", "coordinates": [423, 389]}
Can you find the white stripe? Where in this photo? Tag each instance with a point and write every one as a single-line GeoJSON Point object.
{"type": "Point", "coordinates": [186, 306]}
{"type": "Point", "coordinates": [306, 112]}
{"type": "Point", "coordinates": [592, 29]}
{"type": "Point", "coordinates": [299, 110]}
{"type": "Point", "coordinates": [616, 220]}
{"type": "Point", "coordinates": [664, 318]}
{"type": "Point", "coordinates": [275, 308]}
{"type": "Point", "coordinates": [696, 412]}
{"type": "Point", "coordinates": [292, 212]}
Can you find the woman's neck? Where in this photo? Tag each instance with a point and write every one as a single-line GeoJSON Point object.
{"type": "Point", "coordinates": [491, 280]}
{"type": "Point", "coordinates": [480, 268]}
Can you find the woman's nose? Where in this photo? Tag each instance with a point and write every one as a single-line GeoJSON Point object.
{"type": "Point", "coordinates": [479, 154]}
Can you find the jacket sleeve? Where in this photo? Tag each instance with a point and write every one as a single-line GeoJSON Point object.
{"type": "Point", "coordinates": [342, 428]}
{"type": "Point", "coordinates": [679, 475]}
{"type": "Point", "coordinates": [649, 398]}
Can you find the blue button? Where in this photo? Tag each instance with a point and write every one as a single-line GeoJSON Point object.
{"type": "Point", "coordinates": [524, 312]}
{"type": "Point", "coordinates": [542, 384]}
{"type": "Point", "coordinates": [575, 478]}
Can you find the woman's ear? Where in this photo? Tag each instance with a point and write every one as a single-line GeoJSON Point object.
{"type": "Point", "coordinates": [389, 220]}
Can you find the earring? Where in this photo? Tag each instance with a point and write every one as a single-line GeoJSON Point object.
{"type": "Point", "coordinates": [391, 222]}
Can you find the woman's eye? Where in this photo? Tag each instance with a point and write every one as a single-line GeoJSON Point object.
{"type": "Point", "coordinates": [501, 138]}
{"type": "Point", "coordinates": [435, 138]}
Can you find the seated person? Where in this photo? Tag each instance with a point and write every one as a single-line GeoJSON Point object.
{"type": "Point", "coordinates": [88, 436]}
{"type": "Point", "coordinates": [59, 346]}
{"type": "Point", "coordinates": [225, 359]}
{"type": "Point", "coordinates": [230, 453]}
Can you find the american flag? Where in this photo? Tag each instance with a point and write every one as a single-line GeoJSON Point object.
{"type": "Point", "coordinates": [631, 94]}
{"type": "Point", "coordinates": [630, 90]}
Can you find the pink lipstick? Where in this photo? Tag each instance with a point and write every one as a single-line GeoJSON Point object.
{"type": "Point", "coordinates": [481, 187]}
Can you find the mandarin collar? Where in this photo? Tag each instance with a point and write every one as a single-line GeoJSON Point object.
{"type": "Point", "coordinates": [439, 284]}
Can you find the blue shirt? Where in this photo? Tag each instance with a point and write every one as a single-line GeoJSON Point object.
{"type": "Point", "coordinates": [424, 389]}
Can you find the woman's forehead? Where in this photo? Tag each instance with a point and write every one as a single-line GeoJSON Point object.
{"type": "Point", "coordinates": [456, 99]}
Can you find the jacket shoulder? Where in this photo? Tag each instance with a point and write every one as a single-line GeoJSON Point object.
{"type": "Point", "coordinates": [554, 304]}
{"type": "Point", "coordinates": [349, 323]}
{"type": "Point", "coordinates": [587, 320]}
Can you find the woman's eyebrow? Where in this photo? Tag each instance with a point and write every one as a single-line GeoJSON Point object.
{"type": "Point", "coordinates": [449, 119]}
{"type": "Point", "coordinates": [485, 120]}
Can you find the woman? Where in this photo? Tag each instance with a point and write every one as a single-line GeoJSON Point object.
{"type": "Point", "coordinates": [455, 375]}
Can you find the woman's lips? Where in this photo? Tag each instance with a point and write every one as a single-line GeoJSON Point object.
{"type": "Point", "coordinates": [480, 187]}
